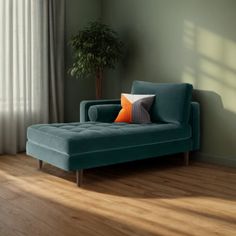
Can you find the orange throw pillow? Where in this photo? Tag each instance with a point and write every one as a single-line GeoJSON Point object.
{"type": "Point", "coordinates": [135, 108]}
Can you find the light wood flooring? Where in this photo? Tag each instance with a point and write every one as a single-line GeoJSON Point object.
{"type": "Point", "coordinates": [151, 197]}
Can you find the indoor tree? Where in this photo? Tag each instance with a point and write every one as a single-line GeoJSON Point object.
{"type": "Point", "coordinates": [96, 47]}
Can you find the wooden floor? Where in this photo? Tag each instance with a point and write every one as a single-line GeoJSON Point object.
{"type": "Point", "coordinates": [143, 198]}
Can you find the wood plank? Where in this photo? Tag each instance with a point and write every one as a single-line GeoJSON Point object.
{"type": "Point", "coordinates": [147, 198]}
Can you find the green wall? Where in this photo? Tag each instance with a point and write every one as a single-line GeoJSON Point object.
{"type": "Point", "coordinates": [78, 14]}
{"type": "Point", "coordinates": [182, 41]}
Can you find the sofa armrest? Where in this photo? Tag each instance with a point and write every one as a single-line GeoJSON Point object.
{"type": "Point", "coordinates": [104, 113]}
{"type": "Point", "coordinates": [195, 124]}
{"type": "Point", "coordinates": [85, 105]}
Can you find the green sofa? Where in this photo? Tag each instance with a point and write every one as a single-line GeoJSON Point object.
{"type": "Point", "coordinates": [97, 141]}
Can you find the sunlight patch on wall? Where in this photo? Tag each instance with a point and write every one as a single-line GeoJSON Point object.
{"type": "Point", "coordinates": [221, 74]}
{"type": "Point", "coordinates": [189, 76]}
{"type": "Point", "coordinates": [189, 35]}
{"type": "Point", "coordinates": [206, 82]}
{"type": "Point", "coordinates": [210, 63]}
{"type": "Point", "coordinates": [230, 54]}
{"type": "Point", "coordinates": [211, 68]}
{"type": "Point", "coordinates": [209, 44]}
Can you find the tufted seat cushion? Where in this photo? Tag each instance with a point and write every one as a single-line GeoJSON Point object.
{"type": "Point", "coordinates": [78, 138]}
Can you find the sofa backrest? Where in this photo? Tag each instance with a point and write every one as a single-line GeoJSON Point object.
{"type": "Point", "coordinates": [172, 101]}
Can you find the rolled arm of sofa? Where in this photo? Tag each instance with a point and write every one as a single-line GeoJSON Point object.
{"type": "Point", "coordinates": [195, 123]}
{"type": "Point", "coordinates": [104, 113]}
{"type": "Point", "coordinates": [85, 105]}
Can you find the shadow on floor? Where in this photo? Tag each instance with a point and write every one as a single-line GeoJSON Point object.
{"type": "Point", "coordinates": [150, 197]}
{"type": "Point", "coordinates": [164, 177]}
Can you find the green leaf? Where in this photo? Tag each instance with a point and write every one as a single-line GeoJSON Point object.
{"type": "Point", "coordinates": [95, 46]}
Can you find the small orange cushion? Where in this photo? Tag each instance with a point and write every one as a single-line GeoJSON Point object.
{"type": "Point", "coordinates": [125, 113]}
{"type": "Point", "coordinates": [135, 108]}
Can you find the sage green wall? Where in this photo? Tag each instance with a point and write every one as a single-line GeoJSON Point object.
{"type": "Point", "coordinates": [182, 41]}
{"type": "Point", "coordinates": [78, 14]}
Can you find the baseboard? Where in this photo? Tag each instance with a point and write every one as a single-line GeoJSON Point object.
{"type": "Point", "coordinates": [219, 160]}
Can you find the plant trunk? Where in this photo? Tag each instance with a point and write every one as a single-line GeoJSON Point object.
{"type": "Point", "coordinates": [99, 84]}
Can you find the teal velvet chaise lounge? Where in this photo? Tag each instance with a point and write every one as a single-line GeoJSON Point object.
{"type": "Point", "coordinates": [97, 141]}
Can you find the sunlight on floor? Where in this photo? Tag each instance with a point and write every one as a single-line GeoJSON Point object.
{"type": "Point", "coordinates": [100, 205]}
{"type": "Point", "coordinates": [116, 201]}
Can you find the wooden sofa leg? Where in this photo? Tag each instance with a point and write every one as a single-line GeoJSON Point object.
{"type": "Point", "coordinates": [40, 164]}
{"type": "Point", "coordinates": [186, 158]}
{"type": "Point", "coordinates": [79, 177]}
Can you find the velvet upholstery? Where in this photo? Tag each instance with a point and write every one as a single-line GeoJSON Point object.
{"type": "Point", "coordinates": [87, 144]}
{"type": "Point", "coordinates": [106, 157]}
{"type": "Point", "coordinates": [195, 124]}
{"type": "Point", "coordinates": [104, 112]}
{"type": "Point", "coordinates": [86, 104]}
{"type": "Point", "coordinates": [172, 100]}
{"type": "Point", "coordinates": [78, 138]}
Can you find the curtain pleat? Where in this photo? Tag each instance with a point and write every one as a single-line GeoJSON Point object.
{"type": "Point", "coordinates": [56, 15]}
{"type": "Point", "coordinates": [31, 68]}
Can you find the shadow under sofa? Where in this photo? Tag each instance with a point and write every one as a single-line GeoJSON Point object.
{"type": "Point", "coordinates": [97, 141]}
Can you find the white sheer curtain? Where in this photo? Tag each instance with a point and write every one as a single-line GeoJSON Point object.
{"type": "Point", "coordinates": [24, 70]}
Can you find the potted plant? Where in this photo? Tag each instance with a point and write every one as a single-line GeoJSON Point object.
{"type": "Point", "coordinates": [96, 47]}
